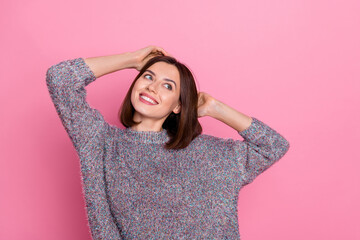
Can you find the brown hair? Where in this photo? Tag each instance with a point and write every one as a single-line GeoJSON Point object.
{"type": "Point", "coordinates": [183, 127]}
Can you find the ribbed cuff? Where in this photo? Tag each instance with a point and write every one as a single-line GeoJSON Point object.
{"type": "Point", "coordinates": [82, 70]}
{"type": "Point", "coordinates": [255, 129]}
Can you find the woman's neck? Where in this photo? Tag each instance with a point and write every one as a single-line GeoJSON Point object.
{"type": "Point", "coordinates": [147, 124]}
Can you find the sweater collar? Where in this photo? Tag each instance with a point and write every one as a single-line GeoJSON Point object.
{"type": "Point", "coordinates": [146, 136]}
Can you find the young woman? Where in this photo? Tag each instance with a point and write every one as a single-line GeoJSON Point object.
{"type": "Point", "coordinates": [159, 178]}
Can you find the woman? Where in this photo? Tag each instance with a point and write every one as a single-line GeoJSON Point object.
{"type": "Point", "coordinates": [159, 178]}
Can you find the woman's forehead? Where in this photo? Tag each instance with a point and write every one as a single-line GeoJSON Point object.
{"type": "Point", "coordinates": [165, 70]}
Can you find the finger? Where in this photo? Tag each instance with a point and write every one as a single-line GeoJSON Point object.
{"type": "Point", "coordinates": [156, 52]}
{"type": "Point", "coordinates": [163, 51]}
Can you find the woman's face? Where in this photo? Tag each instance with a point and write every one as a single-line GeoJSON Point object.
{"type": "Point", "coordinates": [156, 92]}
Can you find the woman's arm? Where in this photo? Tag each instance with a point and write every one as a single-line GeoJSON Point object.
{"type": "Point", "coordinates": [107, 64]}
{"type": "Point", "coordinates": [261, 148]}
{"type": "Point", "coordinates": [87, 128]}
{"type": "Point", "coordinates": [209, 106]}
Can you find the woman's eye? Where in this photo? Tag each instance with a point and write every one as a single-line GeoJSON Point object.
{"type": "Point", "coordinates": [148, 76]}
{"type": "Point", "coordinates": [168, 86]}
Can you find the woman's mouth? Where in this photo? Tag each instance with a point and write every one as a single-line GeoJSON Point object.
{"type": "Point", "coordinates": [147, 100]}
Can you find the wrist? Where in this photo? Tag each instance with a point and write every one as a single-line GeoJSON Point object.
{"type": "Point", "coordinates": [215, 111]}
{"type": "Point", "coordinates": [131, 60]}
{"type": "Point", "coordinates": [231, 117]}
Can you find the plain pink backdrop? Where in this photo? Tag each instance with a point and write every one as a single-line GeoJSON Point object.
{"type": "Point", "coordinates": [293, 64]}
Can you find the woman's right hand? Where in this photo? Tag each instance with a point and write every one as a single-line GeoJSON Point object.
{"type": "Point", "coordinates": [143, 55]}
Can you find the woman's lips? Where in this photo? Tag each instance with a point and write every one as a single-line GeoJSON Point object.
{"type": "Point", "coordinates": [145, 98]}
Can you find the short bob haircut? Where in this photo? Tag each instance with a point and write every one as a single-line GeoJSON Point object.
{"type": "Point", "coordinates": [183, 127]}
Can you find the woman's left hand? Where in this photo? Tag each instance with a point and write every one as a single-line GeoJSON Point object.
{"type": "Point", "coordinates": [206, 104]}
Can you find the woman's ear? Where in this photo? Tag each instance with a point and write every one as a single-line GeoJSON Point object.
{"type": "Point", "coordinates": [177, 108]}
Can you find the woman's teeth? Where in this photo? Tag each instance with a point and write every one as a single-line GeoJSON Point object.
{"type": "Point", "coordinates": [148, 99]}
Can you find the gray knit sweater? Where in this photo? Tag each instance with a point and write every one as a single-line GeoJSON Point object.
{"type": "Point", "coordinates": [136, 189]}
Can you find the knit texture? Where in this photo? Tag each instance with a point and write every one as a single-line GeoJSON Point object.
{"type": "Point", "coordinates": [134, 188]}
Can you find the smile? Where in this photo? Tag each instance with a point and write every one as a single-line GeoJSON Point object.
{"type": "Point", "coordinates": [147, 100]}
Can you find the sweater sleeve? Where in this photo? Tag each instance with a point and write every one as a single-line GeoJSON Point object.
{"type": "Point", "coordinates": [261, 148]}
{"type": "Point", "coordinates": [86, 128]}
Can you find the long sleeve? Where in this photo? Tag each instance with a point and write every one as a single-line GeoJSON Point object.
{"type": "Point", "coordinates": [86, 128]}
{"type": "Point", "coordinates": [261, 148]}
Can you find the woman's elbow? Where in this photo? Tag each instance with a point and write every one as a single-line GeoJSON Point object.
{"type": "Point", "coordinates": [282, 148]}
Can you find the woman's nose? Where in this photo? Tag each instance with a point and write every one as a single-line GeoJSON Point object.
{"type": "Point", "coordinates": [153, 87]}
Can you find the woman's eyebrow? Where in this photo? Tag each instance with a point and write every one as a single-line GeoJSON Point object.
{"type": "Point", "coordinates": [164, 78]}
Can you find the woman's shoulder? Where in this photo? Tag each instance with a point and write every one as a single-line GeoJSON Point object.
{"type": "Point", "coordinates": [212, 141]}
{"type": "Point", "coordinates": [210, 146]}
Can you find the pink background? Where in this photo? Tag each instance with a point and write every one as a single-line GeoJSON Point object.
{"type": "Point", "coordinates": [293, 64]}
